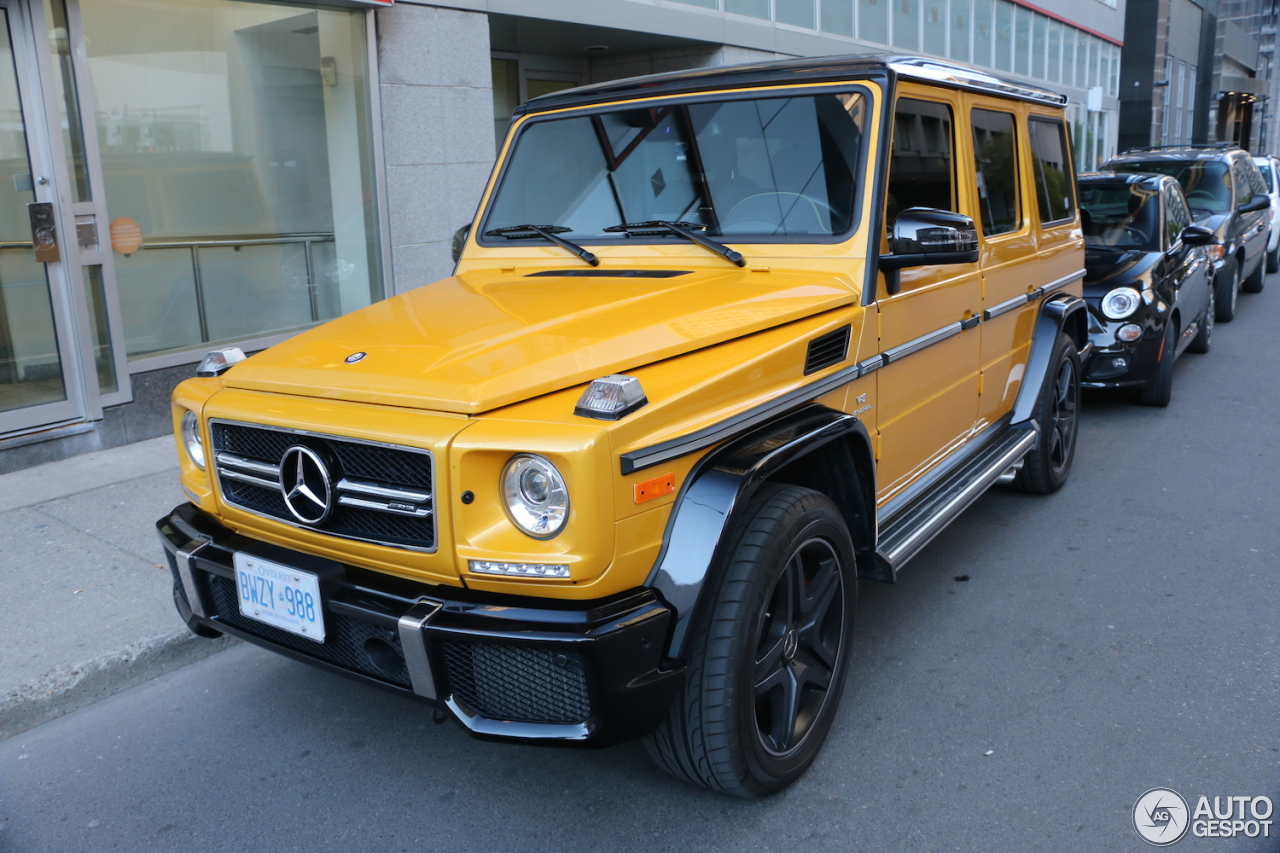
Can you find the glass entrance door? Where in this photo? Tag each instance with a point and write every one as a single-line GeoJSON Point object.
{"type": "Point", "coordinates": [39, 384]}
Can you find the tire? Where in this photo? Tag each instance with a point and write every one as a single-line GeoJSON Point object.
{"type": "Point", "coordinates": [766, 672]}
{"type": "Point", "coordinates": [1204, 337]}
{"type": "Point", "coordinates": [1159, 390]}
{"type": "Point", "coordinates": [1226, 286]}
{"type": "Point", "coordinates": [1273, 259]}
{"type": "Point", "coordinates": [1046, 468]}
{"type": "Point", "coordinates": [1257, 280]}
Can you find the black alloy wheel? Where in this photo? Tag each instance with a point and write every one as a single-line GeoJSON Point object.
{"type": "Point", "coordinates": [1046, 468]}
{"type": "Point", "coordinates": [798, 647]}
{"type": "Point", "coordinates": [766, 667]}
{"type": "Point", "coordinates": [1203, 340]}
{"type": "Point", "coordinates": [1226, 287]}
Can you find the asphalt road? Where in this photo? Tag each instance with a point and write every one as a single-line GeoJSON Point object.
{"type": "Point", "coordinates": [1115, 637]}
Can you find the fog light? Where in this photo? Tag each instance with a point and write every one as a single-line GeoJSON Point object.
{"type": "Point", "coordinates": [610, 398]}
{"type": "Point", "coordinates": [1129, 333]}
{"type": "Point", "coordinates": [519, 570]}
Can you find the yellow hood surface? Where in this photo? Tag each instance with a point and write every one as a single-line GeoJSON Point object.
{"type": "Point", "coordinates": [481, 340]}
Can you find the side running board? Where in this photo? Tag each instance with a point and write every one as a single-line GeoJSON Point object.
{"type": "Point", "coordinates": [913, 528]}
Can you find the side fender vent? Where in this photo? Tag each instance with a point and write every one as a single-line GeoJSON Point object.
{"type": "Point", "coordinates": [831, 348]}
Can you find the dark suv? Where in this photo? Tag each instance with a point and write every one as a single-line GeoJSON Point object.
{"type": "Point", "coordinates": [1227, 194]}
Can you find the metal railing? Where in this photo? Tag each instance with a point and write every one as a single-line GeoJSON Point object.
{"type": "Point", "coordinates": [195, 245]}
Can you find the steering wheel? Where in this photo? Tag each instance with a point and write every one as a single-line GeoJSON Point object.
{"type": "Point", "coordinates": [1136, 235]}
{"type": "Point", "coordinates": [756, 209]}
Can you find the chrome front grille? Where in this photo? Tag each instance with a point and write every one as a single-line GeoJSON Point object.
{"type": "Point", "coordinates": [380, 492]}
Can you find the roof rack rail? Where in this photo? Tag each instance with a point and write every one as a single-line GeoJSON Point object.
{"type": "Point", "coordinates": [1209, 146]}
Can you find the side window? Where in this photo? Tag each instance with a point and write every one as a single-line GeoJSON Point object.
{"type": "Point", "coordinates": [922, 171]}
{"type": "Point", "coordinates": [995, 152]}
{"type": "Point", "coordinates": [1256, 182]}
{"type": "Point", "coordinates": [1051, 170]}
{"type": "Point", "coordinates": [1177, 217]}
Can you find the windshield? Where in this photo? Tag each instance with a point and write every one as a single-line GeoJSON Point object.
{"type": "Point", "coordinates": [1121, 216]}
{"type": "Point", "coordinates": [1206, 183]}
{"type": "Point", "coordinates": [764, 168]}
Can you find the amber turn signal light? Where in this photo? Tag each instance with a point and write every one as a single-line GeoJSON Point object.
{"type": "Point", "coordinates": [663, 484]}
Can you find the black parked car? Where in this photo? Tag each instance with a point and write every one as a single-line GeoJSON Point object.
{"type": "Point", "coordinates": [1227, 194]}
{"type": "Point", "coordinates": [1147, 281]}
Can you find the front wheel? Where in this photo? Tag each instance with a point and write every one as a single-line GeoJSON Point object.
{"type": "Point", "coordinates": [1057, 413]}
{"type": "Point", "coordinates": [765, 673]}
{"type": "Point", "coordinates": [1226, 287]}
{"type": "Point", "coordinates": [1204, 337]}
{"type": "Point", "coordinates": [1159, 390]}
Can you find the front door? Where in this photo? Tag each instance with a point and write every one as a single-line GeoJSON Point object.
{"type": "Point", "coordinates": [39, 377]}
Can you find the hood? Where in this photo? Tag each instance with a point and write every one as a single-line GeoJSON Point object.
{"type": "Point", "coordinates": [481, 340]}
{"type": "Point", "coordinates": [1213, 221]}
{"type": "Point", "coordinates": [1106, 267]}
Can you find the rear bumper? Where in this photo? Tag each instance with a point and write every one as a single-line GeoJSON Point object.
{"type": "Point", "coordinates": [505, 667]}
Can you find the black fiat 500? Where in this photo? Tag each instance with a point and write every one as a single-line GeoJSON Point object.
{"type": "Point", "coordinates": [1148, 283]}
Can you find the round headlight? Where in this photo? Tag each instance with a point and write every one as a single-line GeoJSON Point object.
{"type": "Point", "coordinates": [191, 438]}
{"type": "Point", "coordinates": [1121, 302]}
{"type": "Point", "coordinates": [536, 496]}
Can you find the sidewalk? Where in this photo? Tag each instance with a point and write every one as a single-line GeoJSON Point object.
{"type": "Point", "coordinates": [86, 608]}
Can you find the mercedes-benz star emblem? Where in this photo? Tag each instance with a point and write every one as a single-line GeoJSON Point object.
{"type": "Point", "coordinates": [305, 484]}
{"type": "Point", "coordinates": [354, 357]}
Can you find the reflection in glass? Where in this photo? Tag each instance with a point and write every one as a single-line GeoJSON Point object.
{"type": "Point", "coordinates": [100, 330]}
{"type": "Point", "coordinates": [873, 20]}
{"type": "Point", "coordinates": [30, 364]}
{"type": "Point", "coordinates": [752, 8]}
{"type": "Point", "coordinates": [837, 17]}
{"type": "Point", "coordinates": [960, 27]}
{"type": "Point", "coordinates": [906, 24]}
{"type": "Point", "coordinates": [234, 132]}
{"type": "Point", "coordinates": [55, 12]}
{"type": "Point", "coordinates": [798, 13]}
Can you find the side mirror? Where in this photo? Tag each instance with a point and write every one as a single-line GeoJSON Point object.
{"type": "Point", "coordinates": [923, 236]}
{"type": "Point", "coordinates": [1197, 235]}
{"type": "Point", "coordinates": [1257, 202]}
{"type": "Point", "coordinates": [460, 240]}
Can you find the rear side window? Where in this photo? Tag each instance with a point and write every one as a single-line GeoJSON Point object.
{"type": "Point", "coordinates": [922, 173]}
{"type": "Point", "coordinates": [1268, 177]}
{"type": "Point", "coordinates": [996, 162]}
{"type": "Point", "coordinates": [1240, 172]}
{"type": "Point", "coordinates": [1052, 170]}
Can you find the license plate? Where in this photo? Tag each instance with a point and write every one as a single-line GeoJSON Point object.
{"type": "Point", "coordinates": [279, 595]}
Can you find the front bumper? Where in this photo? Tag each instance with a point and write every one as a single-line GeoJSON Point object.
{"type": "Point", "coordinates": [510, 668]}
{"type": "Point", "coordinates": [1119, 364]}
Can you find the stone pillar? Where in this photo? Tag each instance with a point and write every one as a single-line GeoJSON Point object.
{"type": "Point", "coordinates": [437, 126]}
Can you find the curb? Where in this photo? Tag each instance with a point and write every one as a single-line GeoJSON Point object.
{"type": "Point", "coordinates": [69, 688]}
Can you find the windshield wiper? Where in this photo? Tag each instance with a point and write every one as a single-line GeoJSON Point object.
{"type": "Point", "coordinates": [546, 232]}
{"type": "Point", "coordinates": [683, 229]}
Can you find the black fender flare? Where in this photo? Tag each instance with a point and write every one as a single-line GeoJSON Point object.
{"type": "Point", "coordinates": [1056, 314]}
{"type": "Point", "coordinates": [713, 498]}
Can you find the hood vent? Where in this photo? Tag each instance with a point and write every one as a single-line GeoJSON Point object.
{"type": "Point", "coordinates": [831, 348]}
{"type": "Point", "coordinates": [594, 273]}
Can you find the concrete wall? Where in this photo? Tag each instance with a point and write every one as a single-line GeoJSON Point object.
{"type": "Point", "coordinates": [437, 125]}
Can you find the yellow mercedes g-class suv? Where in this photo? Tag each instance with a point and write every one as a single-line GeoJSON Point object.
{"type": "Point", "coordinates": [718, 343]}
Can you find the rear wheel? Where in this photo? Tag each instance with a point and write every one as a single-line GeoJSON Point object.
{"type": "Point", "coordinates": [765, 674]}
{"type": "Point", "coordinates": [1057, 413]}
{"type": "Point", "coordinates": [1159, 391]}
{"type": "Point", "coordinates": [1226, 286]}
